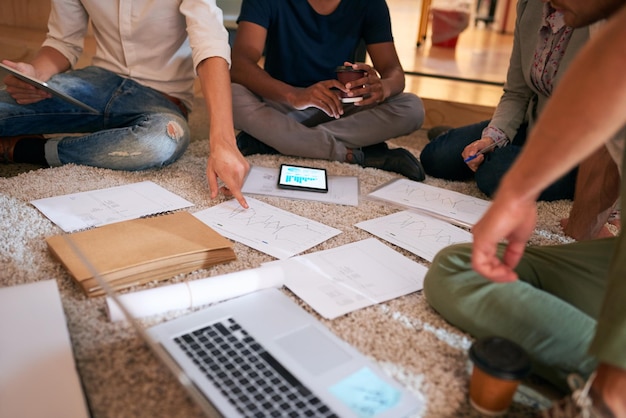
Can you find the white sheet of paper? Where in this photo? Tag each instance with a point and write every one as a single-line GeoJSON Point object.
{"type": "Point", "coordinates": [77, 211]}
{"type": "Point", "coordinates": [266, 228]}
{"type": "Point", "coordinates": [449, 205]}
{"type": "Point", "coordinates": [420, 234]}
{"type": "Point", "coordinates": [38, 377]}
{"type": "Point", "coordinates": [352, 276]}
{"type": "Point", "coordinates": [342, 190]}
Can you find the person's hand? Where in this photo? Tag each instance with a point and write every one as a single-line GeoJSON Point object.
{"type": "Point", "coordinates": [22, 92]}
{"type": "Point", "coordinates": [507, 219]}
{"type": "Point", "coordinates": [473, 149]}
{"type": "Point", "coordinates": [231, 167]}
{"type": "Point", "coordinates": [369, 87]}
{"type": "Point", "coordinates": [321, 96]}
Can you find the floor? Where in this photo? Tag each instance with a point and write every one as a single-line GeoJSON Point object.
{"type": "Point", "coordinates": [481, 54]}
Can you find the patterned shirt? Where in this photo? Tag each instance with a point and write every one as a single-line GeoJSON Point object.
{"type": "Point", "coordinates": [554, 36]}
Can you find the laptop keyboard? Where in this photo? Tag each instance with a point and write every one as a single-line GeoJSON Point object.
{"type": "Point", "coordinates": [254, 382]}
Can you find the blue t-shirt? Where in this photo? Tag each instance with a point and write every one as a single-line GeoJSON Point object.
{"type": "Point", "coordinates": [304, 47]}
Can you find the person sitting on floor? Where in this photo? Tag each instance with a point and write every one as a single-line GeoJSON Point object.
{"type": "Point", "coordinates": [543, 47]}
{"type": "Point", "coordinates": [140, 83]}
{"type": "Point", "coordinates": [564, 304]}
{"type": "Point", "coordinates": [292, 106]}
{"type": "Point", "coordinates": [596, 181]}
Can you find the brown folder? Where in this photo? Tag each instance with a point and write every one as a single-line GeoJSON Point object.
{"type": "Point", "coordinates": [137, 251]}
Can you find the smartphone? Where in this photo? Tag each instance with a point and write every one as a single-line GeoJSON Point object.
{"type": "Point", "coordinates": [296, 177]}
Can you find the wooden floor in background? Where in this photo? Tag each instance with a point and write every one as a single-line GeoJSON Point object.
{"type": "Point", "coordinates": [481, 54]}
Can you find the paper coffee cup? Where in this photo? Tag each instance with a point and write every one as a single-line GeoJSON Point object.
{"type": "Point", "coordinates": [499, 366]}
{"type": "Point", "coordinates": [346, 74]}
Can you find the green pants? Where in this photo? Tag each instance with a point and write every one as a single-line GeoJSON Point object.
{"type": "Point", "coordinates": [568, 310]}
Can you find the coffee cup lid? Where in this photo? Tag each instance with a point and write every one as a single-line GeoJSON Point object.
{"type": "Point", "coordinates": [500, 358]}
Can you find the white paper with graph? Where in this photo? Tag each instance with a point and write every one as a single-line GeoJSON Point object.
{"type": "Point", "coordinates": [93, 208]}
{"type": "Point", "coordinates": [420, 234]}
{"type": "Point", "coordinates": [352, 276]}
{"type": "Point", "coordinates": [458, 208]}
{"type": "Point", "coordinates": [266, 228]}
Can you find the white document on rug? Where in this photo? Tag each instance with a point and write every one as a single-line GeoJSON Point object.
{"type": "Point", "coordinates": [38, 375]}
{"type": "Point", "coordinates": [420, 234]}
{"type": "Point", "coordinates": [77, 211]}
{"type": "Point", "coordinates": [266, 228]}
{"type": "Point", "coordinates": [342, 190]}
{"type": "Point", "coordinates": [353, 276]}
{"type": "Point", "coordinates": [451, 206]}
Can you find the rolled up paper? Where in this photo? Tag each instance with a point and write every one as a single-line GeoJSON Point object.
{"type": "Point", "coordinates": [195, 293]}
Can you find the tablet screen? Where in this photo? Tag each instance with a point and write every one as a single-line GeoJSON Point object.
{"type": "Point", "coordinates": [303, 178]}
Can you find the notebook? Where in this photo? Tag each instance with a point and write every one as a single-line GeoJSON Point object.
{"type": "Point", "coordinates": [36, 358]}
{"type": "Point", "coordinates": [137, 251]}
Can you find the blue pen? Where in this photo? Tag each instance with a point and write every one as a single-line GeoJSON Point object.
{"type": "Point", "coordinates": [481, 152]}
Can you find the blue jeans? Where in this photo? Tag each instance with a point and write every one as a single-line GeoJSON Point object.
{"type": "Point", "coordinates": [136, 127]}
{"type": "Point", "coordinates": [442, 158]}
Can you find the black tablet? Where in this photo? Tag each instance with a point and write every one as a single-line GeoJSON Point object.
{"type": "Point", "coordinates": [297, 177]}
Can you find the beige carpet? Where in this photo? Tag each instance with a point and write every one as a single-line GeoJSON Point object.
{"type": "Point", "coordinates": [122, 378]}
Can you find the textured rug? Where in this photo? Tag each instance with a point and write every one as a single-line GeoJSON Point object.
{"type": "Point", "coordinates": [121, 378]}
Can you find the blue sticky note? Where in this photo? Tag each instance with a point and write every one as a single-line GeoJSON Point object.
{"type": "Point", "coordinates": [366, 394]}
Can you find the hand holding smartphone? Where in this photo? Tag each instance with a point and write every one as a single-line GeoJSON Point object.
{"type": "Point", "coordinates": [295, 177]}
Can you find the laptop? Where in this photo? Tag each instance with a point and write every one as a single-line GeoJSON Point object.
{"type": "Point", "coordinates": [47, 87]}
{"type": "Point", "coordinates": [262, 355]}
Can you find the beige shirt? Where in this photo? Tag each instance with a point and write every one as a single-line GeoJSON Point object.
{"type": "Point", "coordinates": [157, 43]}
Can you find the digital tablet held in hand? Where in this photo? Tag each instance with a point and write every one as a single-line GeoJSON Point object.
{"type": "Point", "coordinates": [297, 177]}
{"type": "Point", "coordinates": [44, 86]}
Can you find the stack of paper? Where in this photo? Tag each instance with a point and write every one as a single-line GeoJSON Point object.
{"type": "Point", "coordinates": [133, 252]}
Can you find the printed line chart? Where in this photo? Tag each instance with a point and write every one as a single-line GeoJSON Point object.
{"type": "Point", "coordinates": [352, 276]}
{"type": "Point", "coordinates": [453, 206]}
{"type": "Point", "coordinates": [266, 228]}
{"type": "Point", "coordinates": [420, 234]}
{"type": "Point", "coordinates": [83, 210]}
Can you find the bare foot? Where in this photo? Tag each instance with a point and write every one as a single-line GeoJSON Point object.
{"type": "Point", "coordinates": [603, 233]}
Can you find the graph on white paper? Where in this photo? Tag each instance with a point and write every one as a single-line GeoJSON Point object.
{"type": "Point", "coordinates": [266, 228]}
{"type": "Point", "coordinates": [420, 234]}
{"type": "Point", "coordinates": [457, 207]}
{"type": "Point", "coordinates": [77, 211]}
{"type": "Point", "coordinates": [352, 276]}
